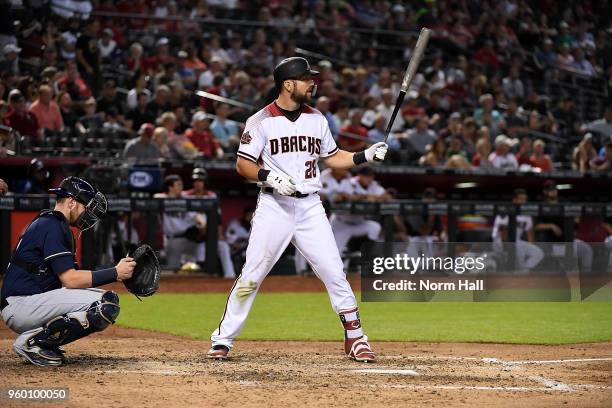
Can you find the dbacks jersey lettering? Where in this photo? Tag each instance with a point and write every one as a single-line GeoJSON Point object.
{"type": "Point", "coordinates": [291, 148]}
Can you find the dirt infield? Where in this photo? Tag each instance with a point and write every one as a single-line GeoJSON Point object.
{"type": "Point", "coordinates": [124, 367]}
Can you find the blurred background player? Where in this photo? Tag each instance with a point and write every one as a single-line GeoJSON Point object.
{"type": "Point", "coordinates": [528, 255]}
{"type": "Point", "coordinates": [362, 187]}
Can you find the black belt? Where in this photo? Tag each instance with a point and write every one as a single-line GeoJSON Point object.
{"type": "Point", "coordinates": [297, 194]}
{"type": "Point", "coordinates": [3, 304]}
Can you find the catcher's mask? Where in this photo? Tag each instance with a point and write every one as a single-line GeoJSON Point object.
{"type": "Point", "coordinates": [84, 193]}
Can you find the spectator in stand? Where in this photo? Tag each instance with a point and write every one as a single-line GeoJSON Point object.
{"type": "Point", "coordinates": [546, 57]}
{"type": "Point", "coordinates": [353, 136]}
{"type": "Point", "coordinates": [88, 55]}
{"type": "Point", "coordinates": [162, 56]}
{"type": "Point", "coordinates": [260, 51]}
{"type": "Point", "coordinates": [513, 119]}
{"type": "Point", "coordinates": [141, 148]}
{"type": "Point", "coordinates": [488, 56]}
{"type": "Point", "coordinates": [140, 114]}
{"type": "Point", "coordinates": [323, 107]}
{"type": "Point", "coordinates": [539, 159]}
{"type": "Point", "coordinates": [160, 140]}
{"type": "Point", "coordinates": [455, 148]}
{"type": "Point", "coordinates": [435, 154]}
{"type": "Point", "coordinates": [602, 126]}
{"type": "Point", "coordinates": [225, 131]}
{"type": "Point", "coordinates": [236, 53]}
{"type": "Point", "coordinates": [135, 61]}
{"type": "Point", "coordinates": [418, 138]}
{"type": "Point", "coordinates": [110, 99]}
{"type": "Point", "coordinates": [69, 115]}
{"type": "Point", "coordinates": [47, 111]}
{"type": "Point", "coordinates": [565, 60]}
{"type": "Point", "coordinates": [377, 134]}
{"type": "Point", "coordinates": [9, 65]}
{"type": "Point", "coordinates": [91, 120]}
{"type": "Point", "coordinates": [583, 154]}
{"type": "Point", "coordinates": [69, 38]}
{"type": "Point", "coordinates": [486, 110]}
{"type": "Point", "coordinates": [483, 151]}
{"type": "Point", "coordinates": [179, 143]}
{"type": "Point", "coordinates": [581, 65]}
{"type": "Point", "coordinates": [512, 85]}
{"type": "Point", "coordinates": [140, 86]}
{"type": "Point", "coordinates": [20, 119]}
{"type": "Point", "coordinates": [216, 68]}
{"type": "Point", "coordinates": [524, 154]}
{"type": "Point", "coordinates": [108, 47]}
{"type": "Point", "coordinates": [202, 137]}
{"type": "Point", "coordinates": [386, 109]}
{"type": "Point", "coordinates": [453, 127]}
{"type": "Point", "coordinates": [564, 36]}
{"type": "Point", "coordinates": [566, 116]}
{"type": "Point", "coordinates": [160, 102]}
{"type": "Point", "coordinates": [502, 157]}
{"type": "Point", "coordinates": [73, 80]}
{"type": "Point", "coordinates": [603, 164]}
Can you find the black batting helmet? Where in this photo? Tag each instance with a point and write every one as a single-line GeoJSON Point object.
{"type": "Point", "coordinates": [292, 68]}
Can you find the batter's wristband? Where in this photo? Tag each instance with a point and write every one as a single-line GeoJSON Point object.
{"type": "Point", "coordinates": [103, 276]}
{"type": "Point", "coordinates": [262, 175]}
{"type": "Point", "coordinates": [359, 158]}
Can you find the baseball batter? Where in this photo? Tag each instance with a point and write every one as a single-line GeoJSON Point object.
{"type": "Point", "coordinates": [280, 148]}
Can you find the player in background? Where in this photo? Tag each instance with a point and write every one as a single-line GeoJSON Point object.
{"type": "Point", "coordinates": [280, 148]}
{"type": "Point", "coordinates": [528, 255]}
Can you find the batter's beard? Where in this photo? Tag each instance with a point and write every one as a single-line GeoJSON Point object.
{"type": "Point", "coordinates": [299, 98]}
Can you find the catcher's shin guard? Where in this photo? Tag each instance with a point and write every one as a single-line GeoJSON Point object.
{"type": "Point", "coordinates": [356, 344]}
{"type": "Point", "coordinates": [72, 326]}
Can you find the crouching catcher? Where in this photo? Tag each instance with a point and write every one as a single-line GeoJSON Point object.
{"type": "Point", "coordinates": [45, 298]}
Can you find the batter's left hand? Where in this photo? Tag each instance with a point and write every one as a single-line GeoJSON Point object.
{"type": "Point", "coordinates": [376, 152]}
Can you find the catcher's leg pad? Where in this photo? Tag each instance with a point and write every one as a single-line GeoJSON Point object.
{"type": "Point", "coordinates": [72, 326]}
{"type": "Point", "coordinates": [356, 344]}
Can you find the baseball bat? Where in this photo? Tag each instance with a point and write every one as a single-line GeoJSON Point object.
{"type": "Point", "coordinates": [413, 66]}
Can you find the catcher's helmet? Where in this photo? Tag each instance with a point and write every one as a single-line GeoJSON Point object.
{"type": "Point", "coordinates": [292, 68]}
{"type": "Point", "coordinates": [86, 194]}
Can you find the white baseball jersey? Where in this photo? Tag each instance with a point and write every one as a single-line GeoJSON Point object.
{"type": "Point", "coordinates": [523, 224]}
{"type": "Point", "coordinates": [352, 187]}
{"type": "Point", "coordinates": [331, 186]}
{"type": "Point", "coordinates": [235, 231]}
{"type": "Point", "coordinates": [289, 148]}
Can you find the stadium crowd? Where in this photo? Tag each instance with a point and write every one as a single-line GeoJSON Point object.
{"type": "Point", "coordinates": [123, 74]}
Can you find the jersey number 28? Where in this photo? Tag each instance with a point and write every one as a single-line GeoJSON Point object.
{"type": "Point", "coordinates": [311, 169]}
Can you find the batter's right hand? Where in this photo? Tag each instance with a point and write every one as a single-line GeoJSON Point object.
{"type": "Point", "coordinates": [125, 268]}
{"type": "Point", "coordinates": [280, 183]}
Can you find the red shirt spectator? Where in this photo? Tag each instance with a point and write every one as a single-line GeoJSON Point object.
{"type": "Point", "coordinates": [72, 75]}
{"type": "Point", "coordinates": [538, 158]}
{"type": "Point", "coordinates": [488, 56]}
{"type": "Point", "coordinates": [356, 134]}
{"type": "Point", "coordinates": [47, 111]}
{"type": "Point", "coordinates": [19, 118]}
{"type": "Point", "coordinates": [201, 136]}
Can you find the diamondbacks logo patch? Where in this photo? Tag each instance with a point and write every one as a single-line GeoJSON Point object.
{"type": "Point", "coordinates": [246, 138]}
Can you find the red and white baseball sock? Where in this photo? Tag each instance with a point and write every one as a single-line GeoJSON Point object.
{"type": "Point", "coordinates": [355, 342]}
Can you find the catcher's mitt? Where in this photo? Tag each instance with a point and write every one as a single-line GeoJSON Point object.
{"type": "Point", "coordinates": [145, 279]}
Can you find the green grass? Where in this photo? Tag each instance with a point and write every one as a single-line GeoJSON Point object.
{"type": "Point", "coordinates": [308, 316]}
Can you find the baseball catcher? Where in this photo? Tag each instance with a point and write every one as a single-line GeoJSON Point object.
{"type": "Point", "coordinates": [46, 298]}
